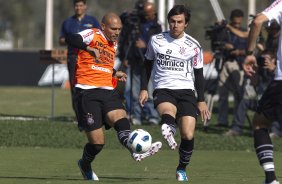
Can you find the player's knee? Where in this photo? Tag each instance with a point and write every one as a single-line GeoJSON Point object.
{"type": "Point", "coordinates": [94, 149]}
{"type": "Point", "coordinates": [116, 115]}
{"type": "Point", "coordinates": [122, 124]}
{"type": "Point", "coordinates": [187, 135]}
{"type": "Point", "coordinates": [260, 121]}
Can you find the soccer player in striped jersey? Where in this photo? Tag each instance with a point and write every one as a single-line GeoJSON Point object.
{"type": "Point", "coordinates": [270, 104]}
{"type": "Point", "coordinates": [175, 59]}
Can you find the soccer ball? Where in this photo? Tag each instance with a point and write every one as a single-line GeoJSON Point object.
{"type": "Point", "coordinates": [139, 141]}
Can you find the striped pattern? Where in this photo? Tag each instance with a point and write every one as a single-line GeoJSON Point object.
{"type": "Point", "coordinates": [184, 156]}
{"type": "Point", "coordinates": [265, 156]}
{"type": "Point", "coordinates": [123, 137]}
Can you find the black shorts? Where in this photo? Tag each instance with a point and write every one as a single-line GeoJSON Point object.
{"type": "Point", "coordinates": [184, 100]}
{"type": "Point", "coordinates": [93, 105]}
{"type": "Point", "coordinates": [270, 103]}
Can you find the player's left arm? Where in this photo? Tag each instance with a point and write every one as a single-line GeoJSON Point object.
{"type": "Point", "coordinates": [199, 84]}
{"type": "Point", "coordinates": [145, 77]}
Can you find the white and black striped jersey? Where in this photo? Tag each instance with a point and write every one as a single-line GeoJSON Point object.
{"type": "Point", "coordinates": [274, 12]}
{"type": "Point", "coordinates": [174, 60]}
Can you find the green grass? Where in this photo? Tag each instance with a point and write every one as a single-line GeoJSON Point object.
{"type": "Point", "coordinates": [34, 102]}
{"type": "Point", "coordinates": [46, 151]}
{"type": "Point", "coordinates": [45, 165]}
{"type": "Point", "coordinates": [58, 134]}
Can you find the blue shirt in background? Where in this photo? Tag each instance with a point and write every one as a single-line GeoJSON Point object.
{"type": "Point", "coordinates": [73, 25]}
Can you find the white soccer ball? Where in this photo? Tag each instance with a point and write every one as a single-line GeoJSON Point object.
{"type": "Point", "coordinates": [140, 141]}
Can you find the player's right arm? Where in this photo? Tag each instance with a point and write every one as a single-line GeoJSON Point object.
{"type": "Point", "coordinates": [146, 73]}
{"type": "Point", "coordinates": [82, 40]}
{"type": "Point", "coordinates": [250, 62]}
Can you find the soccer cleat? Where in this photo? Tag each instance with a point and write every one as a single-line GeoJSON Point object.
{"type": "Point", "coordinates": [181, 175]}
{"type": "Point", "coordinates": [87, 175]}
{"type": "Point", "coordinates": [155, 147]}
{"type": "Point", "coordinates": [273, 182]}
{"type": "Point", "coordinates": [168, 135]}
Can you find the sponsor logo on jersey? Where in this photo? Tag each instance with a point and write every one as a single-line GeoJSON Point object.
{"type": "Point", "coordinates": [272, 6]}
{"type": "Point", "coordinates": [105, 55]}
{"type": "Point", "coordinates": [93, 67]}
{"type": "Point", "coordinates": [166, 63]}
{"type": "Point", "coordinates": [195, 61]}
{"type": "Point", "coordinates": [88, 34]}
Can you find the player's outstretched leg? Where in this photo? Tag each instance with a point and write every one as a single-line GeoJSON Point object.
{"type": "Point", "coordinates": [155, 147]}
{"type": "Point", "coordinates": [168, 135]}
{"type": "Point", "coordinates": [264, 150]}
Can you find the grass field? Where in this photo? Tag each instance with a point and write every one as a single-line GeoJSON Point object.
{"type": "Point", "coordinates": [48, 165]}
{"type": "Point", "coordinates": [45, 150]}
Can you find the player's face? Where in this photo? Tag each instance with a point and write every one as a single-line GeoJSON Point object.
{"type": "Point", "coordinates": [112, 29]}
{"type": "Point", "coordinates": [80, 8]}
{"type": "Point", "coordinates": [177, 25]}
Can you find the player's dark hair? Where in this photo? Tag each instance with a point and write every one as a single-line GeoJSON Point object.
{"type": "Point", "coordinates": [178, 10]}
{"type": "Point", "coordinates": [77, 1]}
{"type": "Point", "coordinates": [236, 13]}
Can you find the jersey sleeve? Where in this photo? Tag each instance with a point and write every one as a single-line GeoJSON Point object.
{"type": "Point", "coordinates": [274, 11]}
{"type": "Point", "coordinates": [149, 55]}
{"type": "Point", "coordinates": [87, 36]}
{"type": "Point", "coordinates": [198, 58]}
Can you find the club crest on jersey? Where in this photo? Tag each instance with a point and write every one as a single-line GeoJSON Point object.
{"type": "Point", "coordinates": [89, 119]}
{"type": "Point", "coordinates": [182, 50]}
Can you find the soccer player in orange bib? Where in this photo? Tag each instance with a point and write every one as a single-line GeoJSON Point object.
{"type": "Point", "coordinates": [98, 103]}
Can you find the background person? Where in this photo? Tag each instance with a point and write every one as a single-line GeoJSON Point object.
{"type": "Point", "coordinates": [97, 101]}
{"type": "Point", "coordinates": [74, 24]}
{"type": "Point", "coordinates": [270, 105]}
{"type": "Point", "coordinates": [139, 26]}
{"type": "Point", "coordinates": [175, 56]}
{"type": "Point", "coordinates": [254, 90]}
{"type": "Point", "coordinates": [231, 77]}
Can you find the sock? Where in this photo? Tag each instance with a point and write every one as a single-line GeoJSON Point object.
{"type": "Point", "coordinates": [89, 153]}
{"type": "Point", "coordinates": [122, 127]}
{"type": "Point", "coordinates": [170, 121]}
{"type": "Point", "coordinates": [185, 152]}
{"type": "Point", "coordinates": [264, 151]}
